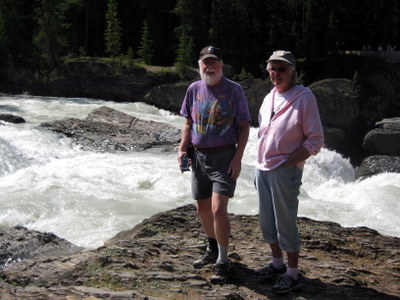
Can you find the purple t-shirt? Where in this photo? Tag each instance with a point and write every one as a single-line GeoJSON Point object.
{"type": "Point", "coordinates": [215, 111]}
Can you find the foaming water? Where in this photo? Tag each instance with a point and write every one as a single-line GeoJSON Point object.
{"type": "Point", "coordinates": [49, 184]}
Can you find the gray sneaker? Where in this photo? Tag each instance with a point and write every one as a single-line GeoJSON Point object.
{"type": "Point", "coordinates": [285, 284]}
{"type": "Point", "coordinates": [221, 273]}
{"type": "Point", "coordinates": [208, 258]}
{"type": "Point", "coordinates": [270, 271]}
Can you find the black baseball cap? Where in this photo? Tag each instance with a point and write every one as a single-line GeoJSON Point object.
{"type": "Point", "coordinates": [210, 51]}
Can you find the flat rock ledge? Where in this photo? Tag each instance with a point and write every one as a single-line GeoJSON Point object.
{"type": "Point", "coordinates": [154, 261]}
{"type": "Point", "coordinates": [107, 129]}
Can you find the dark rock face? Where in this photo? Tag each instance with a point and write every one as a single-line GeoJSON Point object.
{"type": "Point", "coordinates": [337, 102]}
{"type": "Point", "coordinates": [256, 90]}
{"type": "Point", "coordinates": [344, 125]}
{"type": "Point", "coordinates": [154, 261]}
{"type": "Point", "coordinates": [167, 96]}
{"type": "Point", "coordinates": [106, 129]}
{"type": "Point", "coordinates": [11, 118]}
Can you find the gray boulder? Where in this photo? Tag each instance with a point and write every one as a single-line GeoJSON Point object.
{"type": "Point", "coordinates": [256, 90]}
{"type": "Point", "coordinates": [337, 101]}
{"type": "Point", "coordinates": [384, 139]}
{"type": "Point", "coordinates": [344, 124]}
{"type": "Point", "coordinates": [11, 118]}
{"type": "Point", "coordinates": [167, 96]}
{"type": "Point", "coordinates": [376, 164]}
{"type": "Point", "coordinates": [106, 129]}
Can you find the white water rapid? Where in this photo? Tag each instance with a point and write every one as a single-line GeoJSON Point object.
{"type": "Point", "coordinates": [49, 184]}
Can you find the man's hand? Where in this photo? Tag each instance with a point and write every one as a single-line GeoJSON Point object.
{"type": "Point", "coordinates": [234, 168]}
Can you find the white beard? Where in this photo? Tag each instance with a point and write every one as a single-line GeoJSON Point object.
{"type": "Point", "coordinates": [211, 79]}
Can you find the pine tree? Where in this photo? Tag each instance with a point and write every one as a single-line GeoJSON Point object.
{"type": "Point", "coordinates": [113, 33]}
{"type": "Point", "coordinates": [184, 59]}
{"type": "Point", "coordinates": [50, 37]}
{"type": "Point", "coordinates": [184, 54]}
{"type": "Point", "coordinates": [11, 30]}
{"type": "Point", "coordinates": [146, 45]}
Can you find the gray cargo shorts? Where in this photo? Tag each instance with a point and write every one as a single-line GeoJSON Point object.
{"type": "Point", "coordinates": [210, 174]}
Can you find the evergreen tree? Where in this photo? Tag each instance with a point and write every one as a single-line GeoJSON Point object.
{"type": "Point", "coordinates": [330, 37]}
{"type": "Point", "coordinates": [12, 31]}
{"type": "Point", "coordinates": [184, 55]}
{"type": "Point", "coordinates": [313, 42]}
{"type": "Point", "coordinates": [184, 58]}
{"type": "Point", "coordinates": [50, 36]}
{"type": "Point", "coordinates": [113, 33]}
{"type": "Point", "coordinates": [146, 45]}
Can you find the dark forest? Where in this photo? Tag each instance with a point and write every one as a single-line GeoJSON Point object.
{"type": "Point", "coordinates": [171, 32]}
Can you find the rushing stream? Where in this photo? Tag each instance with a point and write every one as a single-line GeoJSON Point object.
{"type": "Point", "coordinates": [49, 184]}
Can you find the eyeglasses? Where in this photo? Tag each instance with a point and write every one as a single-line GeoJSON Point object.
{"type": "Point", "coordinates": [279, 70]}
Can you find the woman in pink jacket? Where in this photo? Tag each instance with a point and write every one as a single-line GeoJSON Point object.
{"type": "Point", "coordinates": [290, 131]}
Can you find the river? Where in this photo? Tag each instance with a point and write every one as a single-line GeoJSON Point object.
{"type": "Point", "coordinates": [47, 183]}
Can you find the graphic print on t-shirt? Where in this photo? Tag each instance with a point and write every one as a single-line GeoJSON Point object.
{"type": "Point", "coordinates": [212, 116]}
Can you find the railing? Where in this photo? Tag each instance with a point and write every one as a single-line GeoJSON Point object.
{"type": "Point", "coordinates": [392, 57]}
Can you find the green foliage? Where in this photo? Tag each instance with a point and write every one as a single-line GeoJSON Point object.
{"type": "Point", "coordinates": [50, 36]}
{"type": "Point", "coordinates": [146, 51]}
{"type": "Point", "coordinates": [244, 75]}
{"type": "Point", "coordinates": [113, 33]}
{"type": "Point", "coordinates": [184, 55]}
{"type": "Point", "coordinates": [130, 53]}
{"type": "Point", "coordinates": [185, 58]}
{"type": "Point", "coordinates": [13, 35]}
{"type": "Point", "coordinates": [247, 31]}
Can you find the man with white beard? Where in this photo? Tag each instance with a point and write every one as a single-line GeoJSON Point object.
{"type": "Point", "coordinates": [217, 124]}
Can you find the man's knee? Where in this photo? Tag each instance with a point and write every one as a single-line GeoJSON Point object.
{"type": "Point", "coordinates": [204, 207]}
{"type": "Point", "coordinates": [220, 206]}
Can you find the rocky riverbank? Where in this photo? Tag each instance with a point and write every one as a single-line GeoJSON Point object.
{"type": "Point", "coordinates": [153, 260]}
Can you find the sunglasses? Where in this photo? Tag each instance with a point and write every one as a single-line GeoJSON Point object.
{"type": "Point", "coordinates": [279, 70]}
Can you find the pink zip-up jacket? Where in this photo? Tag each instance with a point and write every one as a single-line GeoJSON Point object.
{"type": "Point", "coordinates": [295, 124]}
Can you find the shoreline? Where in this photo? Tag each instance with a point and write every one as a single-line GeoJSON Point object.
{"type": "Point", "coordinates": [153, 260]}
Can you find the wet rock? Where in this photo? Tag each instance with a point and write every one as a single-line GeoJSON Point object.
{"type": "Point", "coordinates": [18, 243]}
{"type": "Point", "coordinates": [11, 118]}
{"type": "Point", "coordinates": [376, 164]}
{"type": "Point", "coordinates": [154, 259]}
{"type": "Point", "coordinates": [106, 129]}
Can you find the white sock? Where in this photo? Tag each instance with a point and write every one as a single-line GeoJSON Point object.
{"type": "Point", "coordinates": [293, 272]}
{"type": "Point", "coordinates": [222, 254]}
{"type": "Point", "coordinates": [277, 262]}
